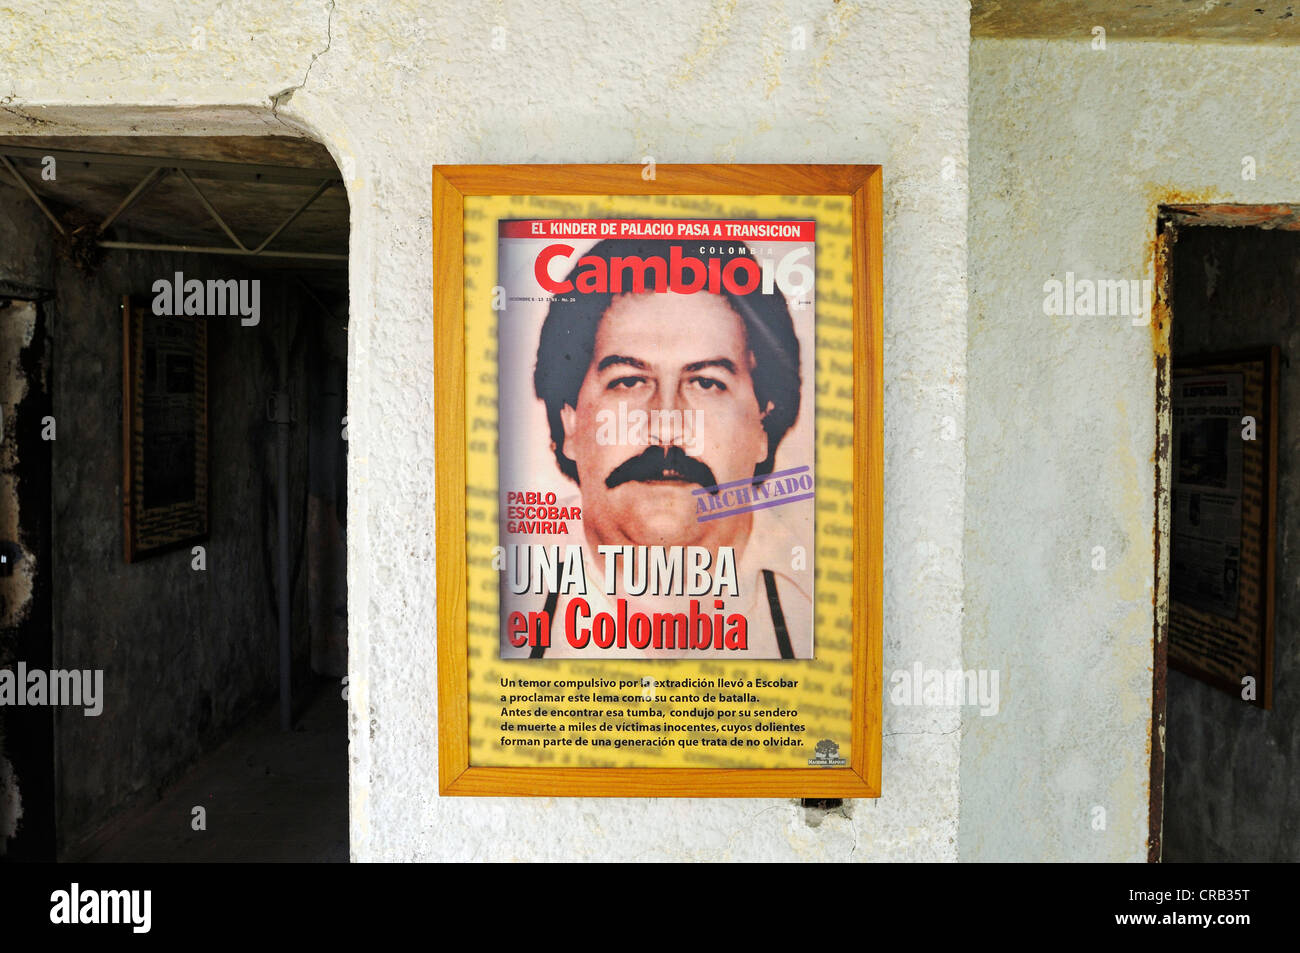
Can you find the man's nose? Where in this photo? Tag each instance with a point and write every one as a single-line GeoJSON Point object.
{"type": "Point", "coordinates": [667, 416]}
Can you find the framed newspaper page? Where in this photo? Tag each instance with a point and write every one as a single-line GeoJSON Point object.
{"type": "Point", "coordinates": [164, 429]}
{"type": "Point", "coordinates": [1223, 517]}
{"type": "Point", "coordinates": [659, 480]}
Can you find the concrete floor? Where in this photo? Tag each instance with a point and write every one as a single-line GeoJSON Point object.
{"type": "Point", "coordinates": [270, 796]}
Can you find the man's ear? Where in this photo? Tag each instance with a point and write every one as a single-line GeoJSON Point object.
{"type": "Point", "coordinates": [763, 444]}
{"type": "Point", "coordinates": [568, 417]}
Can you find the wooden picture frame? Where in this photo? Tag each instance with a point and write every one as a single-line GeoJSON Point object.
{"type": "Point", "coordinates": [458, 196]}
{"type": "Point", "coordinates": [164, 430]}
{"type": "Point", "coordinates": [1221, 622]}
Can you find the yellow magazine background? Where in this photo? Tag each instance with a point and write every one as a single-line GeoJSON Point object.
{"type": "Point", "coordinates": [822, 697]}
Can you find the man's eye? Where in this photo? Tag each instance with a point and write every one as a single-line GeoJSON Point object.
{"type": "Point", "coordinates": [709, 383]}
{"type": "Point", "coordinates": [623, 382]}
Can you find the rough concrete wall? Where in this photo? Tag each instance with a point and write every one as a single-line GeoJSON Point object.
{"type": "Point", "coordinates": [1072, 149]}
{"type": "Point", "coordinates": [25, 237]}
{"type": "Point", "coordinates": [185, 653]}
{"type": "Point", "coordinates": [396, 89]}
{"type": "Point", "coordinates": [1233, 789]}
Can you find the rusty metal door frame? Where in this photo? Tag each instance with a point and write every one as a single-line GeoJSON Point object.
{"type": "Point", "coordinates": [1161, 315]}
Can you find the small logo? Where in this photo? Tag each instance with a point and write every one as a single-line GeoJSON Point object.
{"type": "Point", "coordinates": [826, 755]}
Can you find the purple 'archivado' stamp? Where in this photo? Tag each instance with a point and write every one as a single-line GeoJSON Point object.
{"type": "Point", "coordinates": [745, 496]}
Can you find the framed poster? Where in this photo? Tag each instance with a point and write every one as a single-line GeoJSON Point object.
{"type": "Point", "coordinates": [659, 497]}
{"type": "Point", "coordinates": [164, 430]}
{"type": "Point", "coordinates": [1222, 521]}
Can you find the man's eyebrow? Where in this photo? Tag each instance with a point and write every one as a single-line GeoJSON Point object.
{"type": "Point", "coordinates": [723, 362]}
{"type": "Point", "coordinates": [614, 359]}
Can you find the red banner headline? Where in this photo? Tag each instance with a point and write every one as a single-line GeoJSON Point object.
{"type": "Point", "coordinates": [710, 229]}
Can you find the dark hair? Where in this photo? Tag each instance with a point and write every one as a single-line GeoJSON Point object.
{"type": "Point", "coordinates": [569, 339]}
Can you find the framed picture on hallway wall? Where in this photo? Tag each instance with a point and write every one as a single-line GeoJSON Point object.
{"type": "Point", "coordinates": [659, 496]}
{"type": "Point", "coordinates": [164, 430]}
{"type": "Point", "coordinates": [1223, 521]}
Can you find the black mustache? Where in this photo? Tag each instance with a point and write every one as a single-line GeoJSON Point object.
{"type": "Point", "coordinates": [662, 463]}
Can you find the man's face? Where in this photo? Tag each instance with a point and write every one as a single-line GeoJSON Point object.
{"type": "Point", "coordinates": [681, 364]}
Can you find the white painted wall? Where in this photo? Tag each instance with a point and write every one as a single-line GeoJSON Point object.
{"type": "Point", "coordinates": [402, 86]}
{"type": "Point", "coordinates": [1072, 150]}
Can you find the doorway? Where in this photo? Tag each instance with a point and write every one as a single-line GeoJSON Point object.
{"type": "Point", "coordinates": [1230, 508]}
{"type": "Point", "coordinates": [183, 505]}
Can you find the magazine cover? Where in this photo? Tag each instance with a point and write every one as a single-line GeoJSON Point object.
{"type": "Point", "coordinates": [656, 449]}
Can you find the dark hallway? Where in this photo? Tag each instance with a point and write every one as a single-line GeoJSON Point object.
{"type": "Point", "coordinates": [174, 488]}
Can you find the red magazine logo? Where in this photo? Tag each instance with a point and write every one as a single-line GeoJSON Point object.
{"type": "Point", "coordinates": [681, 274]}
